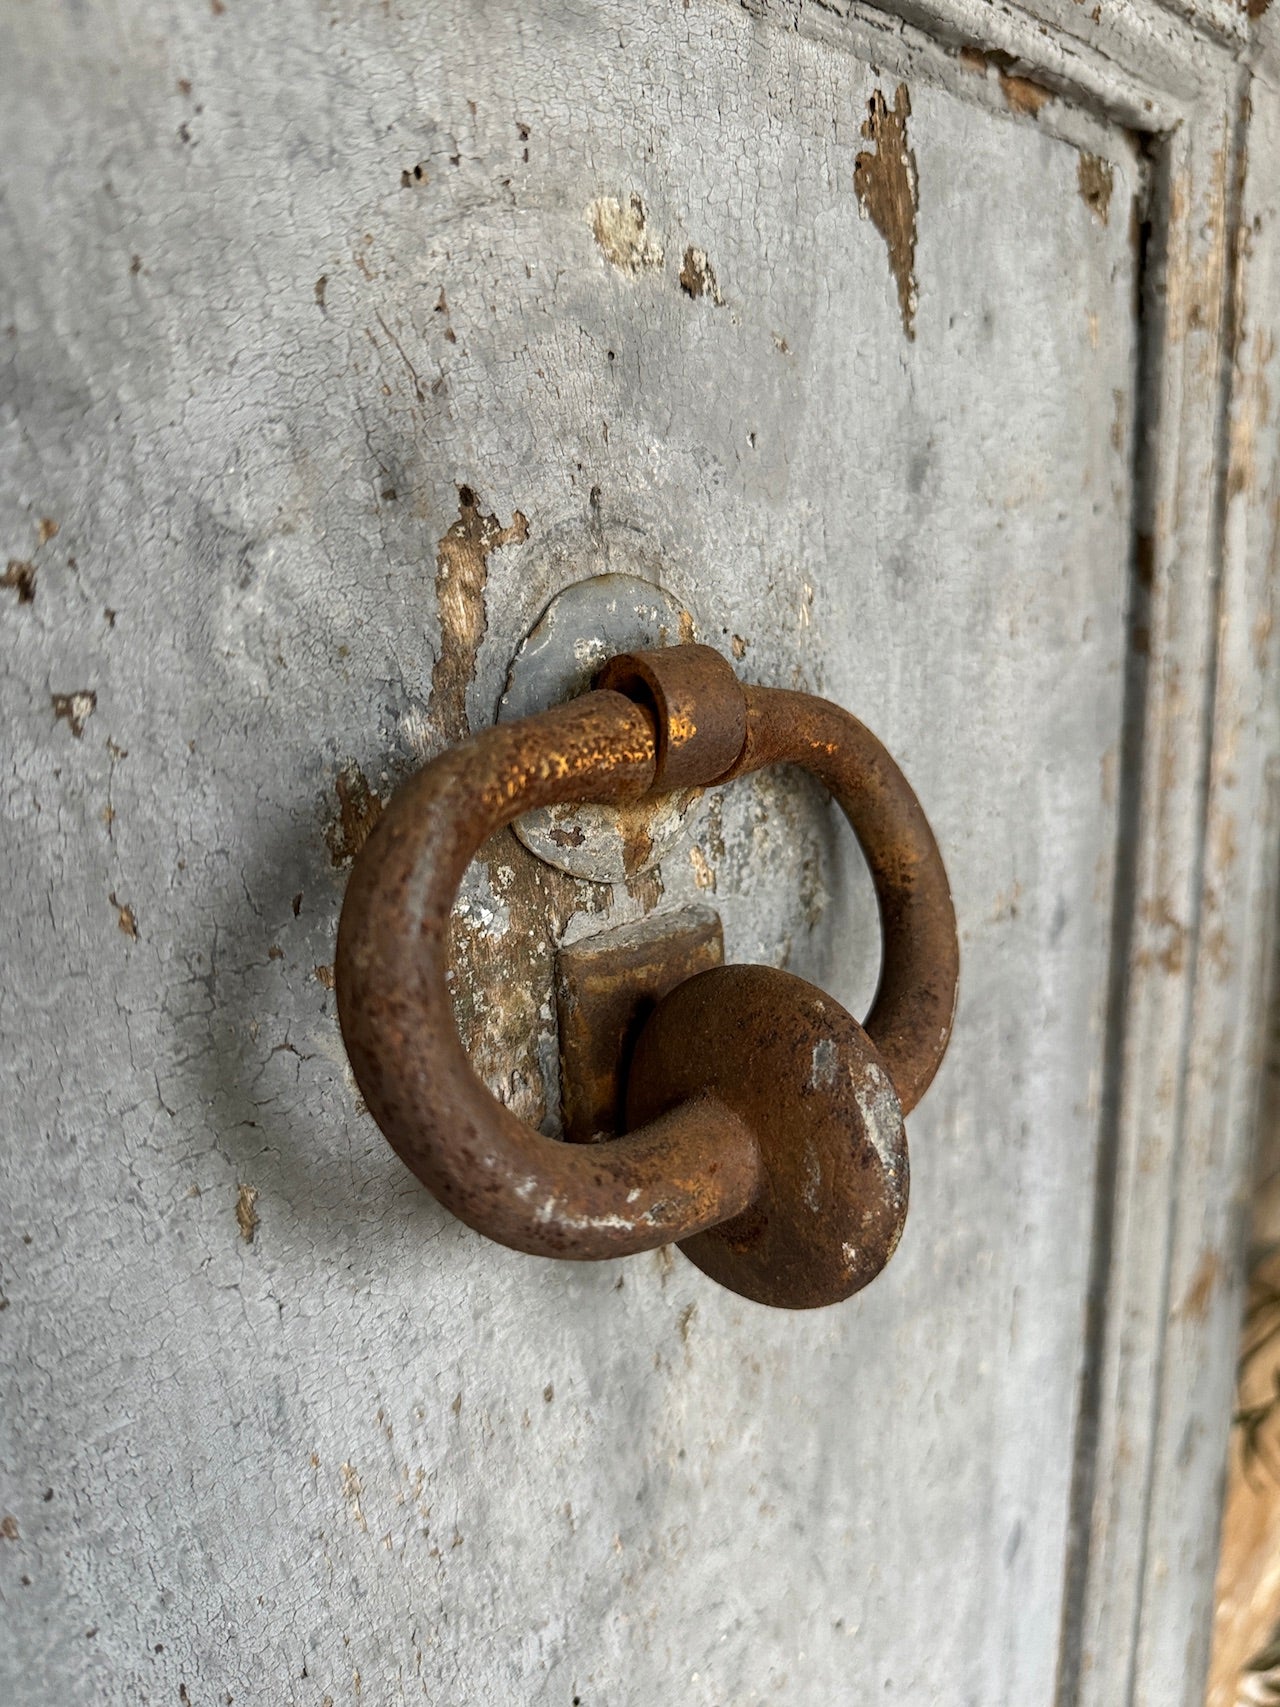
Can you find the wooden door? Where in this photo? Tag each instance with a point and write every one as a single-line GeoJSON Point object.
{"type": "Point", "coordinates": [927, 359]}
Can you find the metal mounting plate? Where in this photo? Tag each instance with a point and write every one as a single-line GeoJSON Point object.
{"type": "Point", "coordinates": [606, 988]}
{"type": "Point", "coordinates": [585, 624]}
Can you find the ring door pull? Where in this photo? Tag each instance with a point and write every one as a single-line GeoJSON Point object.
{"type": "Point", "coordinates": [765, 1125]}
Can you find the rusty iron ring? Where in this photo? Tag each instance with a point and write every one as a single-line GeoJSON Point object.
{"type": "Point", "coordinates": [698, 1165]}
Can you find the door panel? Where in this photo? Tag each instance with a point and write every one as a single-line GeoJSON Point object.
{"type": "Point", "coordinates": [341, 341]}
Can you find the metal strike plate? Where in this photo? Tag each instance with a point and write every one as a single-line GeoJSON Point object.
{"type": "Point", "coordinates": [606, 988]}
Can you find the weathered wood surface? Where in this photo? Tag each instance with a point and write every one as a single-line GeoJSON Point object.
{"type": "Point", "coordinates": [336, 341]}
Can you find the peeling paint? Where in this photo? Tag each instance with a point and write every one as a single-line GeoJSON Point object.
{"type": "Point", "coordinates": [359, 808]}
{"type": "Point", "coordinates": [462, 574]}
{"type": "Point", "coordinates": [698, 277]}
{"type": "Point", "coordinates": [352, 1488]}
{"type": "Point", "coordinates": [886, 185]}
{"type": "Point", "coordinates": [703, 873]}
{"type": "Point", "coordinates": [74, 709]}
{"type": "Point", "coordinates": [20, 575]}
{"type": "Point", "coordinates": [125, 916]}
{"type": "Point", "coordinates": [506, 926]}
{"type": "Point", "coordinates": [1096, 179]}
{"type": "Point", "coordinates": [246, 1214]}
{"type": "Point", "coordinates": [1023, 94]}
{"type": "Point", "coordinates": [622, 231]}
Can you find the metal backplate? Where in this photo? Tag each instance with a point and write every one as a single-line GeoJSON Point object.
{"type": "Point", "coordinates": [584, 625]}
{"type": "Point", "coordinates": [606, 988]}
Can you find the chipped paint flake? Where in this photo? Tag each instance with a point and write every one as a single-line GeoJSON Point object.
{"type": "Point", "coordinates": [462, 575]}
{"type": "Point", "coordinates": [703, 871]}
{"type": "Point", "coordinates": [1022, 94]}
{"type": "Point", "coordinates": [352, 1488]}
{"type": "Point", "coordinates": [359, 808]}
{"type": "Point", "coordinates": [886, 184]}
{"type": "Point", "coordinates": [74, 709]}
{"type": "Point", "coordinates": [20, 576]}
{"type": "Point", "coordinates": [1096, 179]}
{"type": "Point", "coordinates": [698, 276]}
{"type": "Point", "coordinates": [126, 918]}
{"type": "Point", "coordinates": [246, 1214]}
{"type": "Point", "coordinates": [622, 231]}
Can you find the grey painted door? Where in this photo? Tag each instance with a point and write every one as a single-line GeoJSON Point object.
{"type": "Point", "coordinates": [338, 339]}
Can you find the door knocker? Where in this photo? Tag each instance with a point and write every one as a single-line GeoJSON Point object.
{"type": "Point", "coordinates": [764, 1125]}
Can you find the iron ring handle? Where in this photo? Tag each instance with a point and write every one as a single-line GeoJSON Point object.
{"type": "Point", "coordinates": [699, 1164]}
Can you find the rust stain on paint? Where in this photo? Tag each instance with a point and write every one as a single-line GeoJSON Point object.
{"type": "Point", "coordinates": [886, 185]}
{"type": "Point", "coordinates": [1252, 413]}
{"type": "Point", "coordinates": [1195, 1305]}
{"type": "Point", "coordinates": [1170, 938]}
{"type": "Point", "coordinates": [462, 574]}
{"type": "Point", "coordinates": [1096, 180]}
{"type": "Point", "coordinates": [359, 808]}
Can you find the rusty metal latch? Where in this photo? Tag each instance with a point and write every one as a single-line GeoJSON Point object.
{"type": "Point", "coordinates": [765, 1125]}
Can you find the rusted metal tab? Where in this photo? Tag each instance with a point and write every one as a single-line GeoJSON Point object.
{"type": "Point", "coordinates": [766, 1121]}
{"type": "Point", "coordinates": [698, 705]}
{"type": "Point", "coordinates": [606, 988]}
